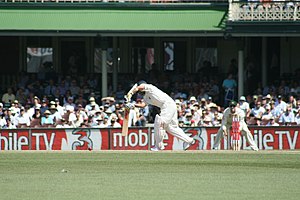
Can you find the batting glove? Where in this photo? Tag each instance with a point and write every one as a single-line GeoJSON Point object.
{"type": "Point", "coordinates": [129, 105]}
{"type": "Point", "coordinates": [126, 99]}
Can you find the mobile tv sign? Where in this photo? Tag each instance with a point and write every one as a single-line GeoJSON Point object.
{"type": "Point", "coordinates": [267, 138]}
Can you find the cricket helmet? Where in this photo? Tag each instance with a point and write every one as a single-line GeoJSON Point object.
{"type": "Point", "coordinates": [232, 103]}
{"type": "Point", "coordinates": [141, 82]}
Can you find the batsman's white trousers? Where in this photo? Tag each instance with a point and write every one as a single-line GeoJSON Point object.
{"type": "Point", "coordinates": [244, 131]}
{"type": "Point", "coordinates": [169, 122]}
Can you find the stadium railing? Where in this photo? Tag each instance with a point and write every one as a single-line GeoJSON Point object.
{"type": "Point", "coordinates": [264, 10]}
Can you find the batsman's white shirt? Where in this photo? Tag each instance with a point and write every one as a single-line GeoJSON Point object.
{"type": "Point", "coordinates": [155, 96]}
{"type": "Point", "coordinates": [168, 114]}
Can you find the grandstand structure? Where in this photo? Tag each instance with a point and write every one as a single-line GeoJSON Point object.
{"type": "Point", "coordinates": [128, 36]}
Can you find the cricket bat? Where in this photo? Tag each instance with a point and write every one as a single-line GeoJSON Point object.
{"type": "Point", "coordinates": [126, 112]}
{"type": "Point", "coordinates": [125, 122]}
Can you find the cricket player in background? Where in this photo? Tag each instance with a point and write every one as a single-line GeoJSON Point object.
{"type": "Point", "coordinates": [229, 113]}
{"type": "Point", "coordinates": [166, 120]}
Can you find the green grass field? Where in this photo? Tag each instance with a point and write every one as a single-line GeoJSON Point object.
{"type": "Point", "coordinates": [150, 175]}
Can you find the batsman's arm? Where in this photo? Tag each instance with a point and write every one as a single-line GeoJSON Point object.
{"type": "Point", "coordinates": [134, 89]}
{"type": "Point", "coordinates": [131, 92]}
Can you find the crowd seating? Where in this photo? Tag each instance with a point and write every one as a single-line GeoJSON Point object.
{"type": "Point", "coordinates": [76, 101]}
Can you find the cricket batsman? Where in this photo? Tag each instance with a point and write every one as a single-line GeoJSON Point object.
{"type": "Point", "coordinates": [229, 113]}
{"type": "Point", "coordinates": [166, 120]}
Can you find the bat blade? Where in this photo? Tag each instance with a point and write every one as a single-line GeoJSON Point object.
{"type": "Point", "coordinates": [125, 122]}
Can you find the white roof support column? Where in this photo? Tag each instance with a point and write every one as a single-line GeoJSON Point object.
{"type": "Point", "coordinates": [240, 73]}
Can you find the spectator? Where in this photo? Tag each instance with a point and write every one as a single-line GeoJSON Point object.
{"type": "Point", "coordinates": [142, 114]}
{"type": "Point", "coordinates": [193, 100]}
{"type": "Point", "coordinates": [91, 106]}
{"type": "Point", "coordinates": [210, 103]}
{"type": "Point", "coordinates": [36, 117]}
{"type": "Point", "coordinates": [60, 109]}
{"type": "Point", "coordinates": [253, 101]}
{"type": "Point", "coordinates": [188, 120]}
{"type": "Point", "coordinates": [296, 108]}
{"type": "Point", "coordinates": [267, 115]}
{"type": "Point", "coordinates": [203, 103]}
{"type": "Point", "coordinates": [196, 114]}
{"type": "Point", "coordinates": [11, 115]}
{"type": "Point", "coordinates": [44, 106]}
{"type": "Point", "coordinates": [272, 122]}
{"type": "Point", "coordinates": [15, 106]}
{"type": "Point", "coordinates": [37, 112]}
{"type": "Point", "coordinates": [72, 118]}
{"type": "Point", "coordinates": [280, 104]}
{"type": "Point", "coordinates": [55, 115]}
{"type": "Point", "coordinates": [229, 85]}
{"type": "Point", "coordinates": [276, 113]}
{"type": "Point", "coordinates": [99, 122]}
{"type": "Point", "coordinates": [257, 111]}
{"type": "Point", "coordinates": [105, 123]}
{"type": "Point", "coordinates": [63, 124]}
{"type": "Point", "coordinates": [2, 119]}
{"type": "Point", "coordinates": [292, 101]}
{"type": "Point", "coordinates": [69, 104]}
{"type": "Point", "coordinates": [9, 124]}
{"type": "Point", "coordinates": [46, 120]}
{"type": "Point", "coordinates": [244, 105]}
{"type": "Point", "coordinates": [82, 112]}
{"type": "Point", "coordinates": [114, 123]}
{"type": "Point", "coordinates": [268, 98]}
{"type": "Point", "coordinates": [207, 121]}
{"type": "Point", "coordinates": [217, 119]}
{"type": "Point", "coordinates": [8, 97]}
{"type": "Point", "coordinates": [79, 120]}
{"type": "Point", "coordinates": [297, 117]}
{"type": "Point", "coordinates": [288, 117]}
{"type": "Point", "coordinates": [22, 120]}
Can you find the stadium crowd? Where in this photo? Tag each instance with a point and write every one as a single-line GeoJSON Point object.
{"type": "Point", "coordinates": [64, 102]}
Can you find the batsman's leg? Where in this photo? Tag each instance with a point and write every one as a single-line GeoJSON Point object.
{"type": "Point", "coordinates": [159, 133]}
{"type": "Point", "coordinates": [175, 130]}
{"type": "Point", "coordinates": [218, 138]}
{"type": "Point", "coordinates": [246, 132]}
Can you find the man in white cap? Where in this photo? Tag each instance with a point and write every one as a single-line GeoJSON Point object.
{"type": "Point", "coordinates": [244, 105]}
{"type": "Point", "coordinates": [229, 113]}
{"type": "Point", "coordinates": [166, 120]}
{"type": "Point", "coordinates": [22, 120]}
{"type": "Point", "coordinates": [92, 105]}
{"type": "Point", "coordinates": [193, 100]}
{"type": "Point", "coordinates": [70, 103]}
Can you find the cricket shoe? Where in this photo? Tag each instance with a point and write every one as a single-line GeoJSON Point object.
{"type": "Point", "coordinates": [255, 149]}
{"type": "Point", "coordinates": [187, 145]}
{"type": "Point", "coordinates": [155, 149]}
